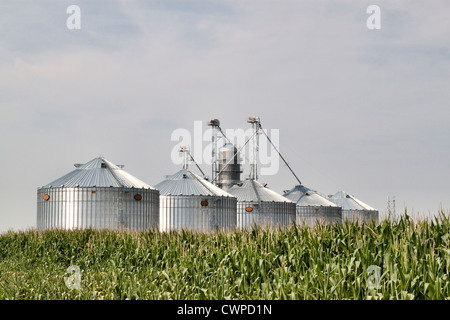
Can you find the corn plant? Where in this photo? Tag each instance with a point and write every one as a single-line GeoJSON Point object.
{"type": "Point", "coordinates": [402, 259]}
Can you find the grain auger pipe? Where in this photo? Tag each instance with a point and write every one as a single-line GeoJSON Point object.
{"type": "Point", "coordinates": [185, 165]}
{"type": "Point", "coordinates": [282, 158]}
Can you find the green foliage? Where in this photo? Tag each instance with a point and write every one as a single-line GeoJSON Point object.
{"type": "Point", "coordinates": [325, 262]}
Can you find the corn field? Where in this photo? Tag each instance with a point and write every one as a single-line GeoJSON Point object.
{"type": "Point", "coordinates": [404, 259]}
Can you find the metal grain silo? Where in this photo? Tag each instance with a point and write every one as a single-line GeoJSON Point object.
{"type": "Point", "coordinates": [229, 168]}
{"type": "Point", "coordinates": [100, 195]}
{"type": "Point", "coordinates": [260, 206]}
{"type": "Point", "coordinates": [352, 208]}
{"type": "Point", "coordinates": [189, 202]}
{"type": "Point", "coordinates": [312, 208]}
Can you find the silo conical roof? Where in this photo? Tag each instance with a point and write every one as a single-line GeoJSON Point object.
{"type": "Point", "coordinates": [307, 197]}
{"type": "Point", "coordinates": [185, 182]}
{"type": "Point", "coordinates": [228, 147]}
{"type": "Point", "coordinates": [253, 190]}
{"type": "Point", "coordinates": [349, 202]}
{"type": "Point", "coordinates": [98, 172]}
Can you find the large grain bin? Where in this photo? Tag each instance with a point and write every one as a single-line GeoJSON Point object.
{"type": "Point", "coordinates": [312, 208]}
{"type": "Point", "coordinates": [189, 202]}
{"type": "Point", "coordinates": [260, 206]}
{"type": "Point", "coordinates": [99, 195]}
{"type": "Point", "coordinates": [352, 208]}
{"type": "Point", "coordinates": [229, 168]}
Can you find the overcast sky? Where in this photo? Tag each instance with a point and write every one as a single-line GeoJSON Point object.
{"type": "Point", "coordinates": [360, 110]}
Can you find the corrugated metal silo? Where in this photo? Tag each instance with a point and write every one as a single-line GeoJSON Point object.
{"type": "Point", "coordinates": [229, 168]}
{"type": "Point", "coordinates": [189, 202]}
{"type": "Point", "coordinates": [258, 205]}
{"type": "Point", "coordinates": [312, 208]}
{"type": "Point", "coordinates": [352, 208]}
{"type": "Point", "coordinates": [99, 195]}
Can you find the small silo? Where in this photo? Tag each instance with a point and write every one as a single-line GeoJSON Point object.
{"type": "Point", "coordinates": [260, 206]}
{"type": "Point", "coordinates": [229, 168]}
{"type": "Point", "coordinates": [312, 208]}
{"type": "Point", "coordinates": [99, 195]}
{"type": "Point", "coordinates": [189, 202]}
{"type": "Point", "coordinates": [352, 208]}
